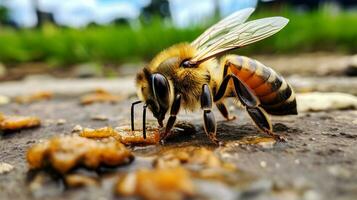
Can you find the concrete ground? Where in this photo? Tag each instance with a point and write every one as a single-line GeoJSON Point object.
{"type": "Point", "coordinates": [319, 160]}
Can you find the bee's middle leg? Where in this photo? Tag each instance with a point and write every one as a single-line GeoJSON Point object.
{"type": "Point", "coordinates": [208, 116]}
{"type": "Point", "coordinates": [220, 93]}
{"type": "Point", "coordinates": [224, 111]}
{"type": "Point", "coordinates": [175, 108]}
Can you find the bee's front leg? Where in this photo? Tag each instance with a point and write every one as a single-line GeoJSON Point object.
{"type": "Point", "coordinates": [175, 108]}
{"type": "Point", "coordinates": [208, 116]}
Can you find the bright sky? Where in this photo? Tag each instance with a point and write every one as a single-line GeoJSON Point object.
{"type": "Point", "coordinates": [79, 13]}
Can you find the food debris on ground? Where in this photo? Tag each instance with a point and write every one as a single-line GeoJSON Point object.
{"type": "Point", "coordinates": [201, 162]}
{"type": "Point", "coordinates": [189, 156]}
{"type": "Point", "coordinates": [5, 167]}
{"type": "Point", "coordinates": [104, 132]}
{"type": "Point", "coordinates": [100, 96]}
{"type": "Point", "coordinates": [123, 135]}
{"type": "Point", "coordinates": [64, 153]}
{"type": "Point", "coordinates": [170, 184]}
{"type": "Point", "coordinates": [129, 137]}
{"type": "Point", "coordinates": [79, 180]}
{"type": "Point", "coordinates": [264, 142]}
{"type": "Point", "coordinates": [38, 96]}
{"type": "Point", "coordinates": [14, 122]}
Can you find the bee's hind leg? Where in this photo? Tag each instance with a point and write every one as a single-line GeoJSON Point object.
{"type": "Point", "coordinates": [262, 121]}
{"type": "Point", "coordinates": [224, 111]}
{"type": "Point", "coordinates": [208, 116]}
{"type": "Point", "coordinates": [175, 108]}
{"type": "Point", "coordinates": [252, 104]}
{"type": "Point", "coordinates": [250, 101]}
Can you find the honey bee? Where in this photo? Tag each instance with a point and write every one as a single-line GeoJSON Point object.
{"type": "Point", "coordinates": [188, 76]}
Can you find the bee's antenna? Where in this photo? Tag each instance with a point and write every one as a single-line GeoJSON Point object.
{"type": "Point", "coordinates": [132, 113]}
{"type": "Point", "coordinates": [144, 121]}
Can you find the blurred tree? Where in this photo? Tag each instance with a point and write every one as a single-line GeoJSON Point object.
{"type": "Point", "coordinates": [4, 15]}
{"type": "Point", "coordinates": [303, 5]}
{"type": "Point", "coordinates": [42, 17]}
{"type": "Point", "coordinates": [156, 8]}
{"type": "Point", "coordinates": [217, 13]}
{"type": "Point", "coordinates": [307, 5]}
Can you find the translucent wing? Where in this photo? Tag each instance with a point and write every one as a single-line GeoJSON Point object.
{"type": "Point", "coordinates": [223, 26]}
{"type": "Point", "coordinates": [239, 36]}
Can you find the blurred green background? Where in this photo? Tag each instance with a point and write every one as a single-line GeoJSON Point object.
{"type": "Point", "coordinates": [324, 28]}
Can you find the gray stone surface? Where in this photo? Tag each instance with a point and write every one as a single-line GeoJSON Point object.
{"type": "Point", "coordinates": [67, 87]}
{"type": "Point", "coordinates": [318, 162]}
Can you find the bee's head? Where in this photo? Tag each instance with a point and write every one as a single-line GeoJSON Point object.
{"type": "Point", "coordinates": [153, 86]}
{"type": "Point", "coordinates": [154, 89]}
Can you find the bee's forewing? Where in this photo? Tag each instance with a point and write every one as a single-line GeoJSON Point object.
{"type": "Point", "coordinates": [223, 26]}
{"type": "Point", "coordinates": [239, 36]}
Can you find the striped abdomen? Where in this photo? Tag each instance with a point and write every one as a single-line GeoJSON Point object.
{"type": "Point", "coordinates": [275, 94]}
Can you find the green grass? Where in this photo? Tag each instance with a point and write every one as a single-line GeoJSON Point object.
{"type": "Point", "coordinates": [114, 44]}
{"type": "Point", "coordinates": [306, 32]}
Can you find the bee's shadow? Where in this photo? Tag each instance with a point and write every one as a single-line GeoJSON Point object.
{"type": "Point", "coordinates": [226, 132]}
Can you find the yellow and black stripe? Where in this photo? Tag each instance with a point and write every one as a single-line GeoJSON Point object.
{"type": "Point", "coordinates": [275, 94]}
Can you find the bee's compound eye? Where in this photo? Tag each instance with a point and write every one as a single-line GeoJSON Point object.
{"type": "Point", "coordinates": [161, 89]}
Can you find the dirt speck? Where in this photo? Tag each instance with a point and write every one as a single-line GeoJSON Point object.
{"type": "Point", "coordinates": [5, 168]}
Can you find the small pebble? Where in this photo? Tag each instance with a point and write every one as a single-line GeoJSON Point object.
{"type": "Point", "coordinates": [99, 117]}
{"type": "Point", "coordinates": [297, 161]}
{"type": "Point", "coordinates": [77, 128]}
{"type": "Point", "coordinates": [338, 171]}
{"type": "Point", "coordinates": [312, 139]}
{"type": "Point", "coordinates": [49, 121]}
{"type": "Point", "coordinates": [301, 183]}
{"type": "Point", "coordinates": [231, 108]}
{"type": "Point", "coordinates": [311, 195]}
{"type": "Point", "coordinates": [61, 121]}
{"type": "Point", "coordinates": [263, 164]}
{"type": "Point", "coordinates": [226, 155]}
{"type": "Point", "coordinates": [267, 145]}
{"type": "Point", "coordinates": [5, 168]}
{"type": "Point", "coordinates": [31, 142]}
{"type": "Point", "coordinates": [4, 100]}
